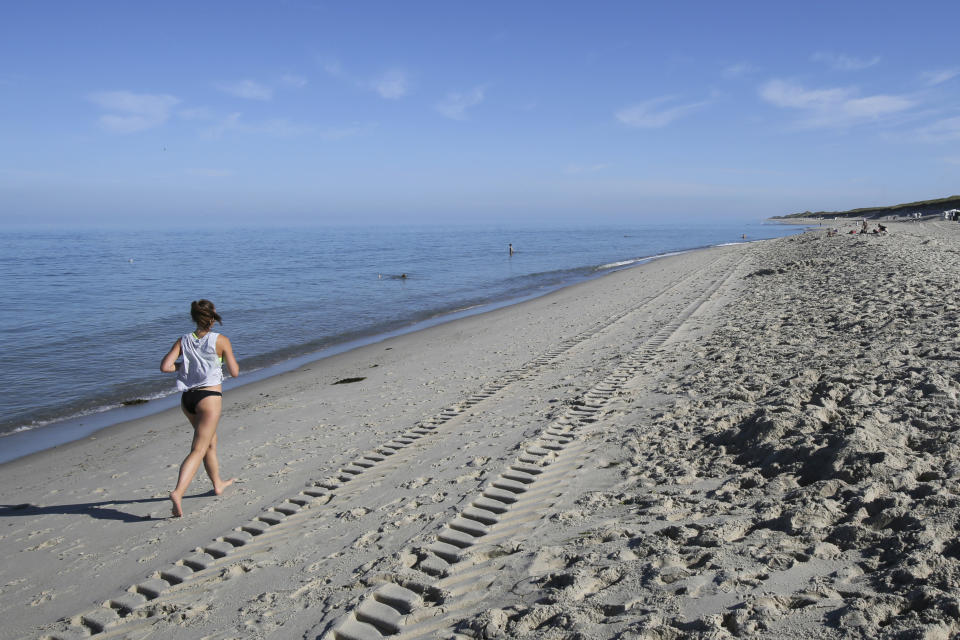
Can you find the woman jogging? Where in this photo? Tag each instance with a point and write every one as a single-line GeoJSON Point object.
{"type": "Point", "coordinates": [200, 378]}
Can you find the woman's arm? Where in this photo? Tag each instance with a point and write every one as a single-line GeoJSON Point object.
{"type": "Point", "coordinates": [169, 363]}
{"type": "Point", "coordinates": [225, 351]}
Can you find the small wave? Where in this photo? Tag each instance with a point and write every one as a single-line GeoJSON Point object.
{"type": "Point", "coordinates": [637, 261]}
{"type": "Point", "coordinates": [36, 424]}
{"type": "Point", "coordinates": [469, 307]}
{"type": "Point", "coordinates": [622, 263]}
{"type": "Point", "coordinates": [19, 429]}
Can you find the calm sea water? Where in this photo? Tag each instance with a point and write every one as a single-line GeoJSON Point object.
{"type": "Point", "coordinates": [85, 316]}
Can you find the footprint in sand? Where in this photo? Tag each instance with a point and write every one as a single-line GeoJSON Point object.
{"type": "Point", "coordinates": [38, 532]}
{"type": "Point", "coordinates": [473, 475]}
{"type": "Point", "coordinates": [353, 514]}
{"type": "Point", "coordinates": [416, 483]}
{"type": "Point", "coordinates": [45, 544]}
{"type": "Point", "coordinates": [366, 540]}
{"type": "Point", "coordinates": [547, 559]}
{"type": "Point", "coordinates": [408, 519]}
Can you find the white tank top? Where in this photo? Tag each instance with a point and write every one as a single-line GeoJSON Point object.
{"type": "Point", "coordinates": [201, 366]}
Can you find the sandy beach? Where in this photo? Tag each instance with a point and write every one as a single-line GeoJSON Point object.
{"type": "Point", "coordinates": [758, 440]}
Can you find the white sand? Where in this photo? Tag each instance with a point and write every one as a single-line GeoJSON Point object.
{"type": "Point", "coordinates": [748, 441]}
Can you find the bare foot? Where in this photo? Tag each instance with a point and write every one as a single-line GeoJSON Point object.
{"type": "Point", "coordinates": [177, 510]}
{"type": "Point", "coordinates": [218, 489]}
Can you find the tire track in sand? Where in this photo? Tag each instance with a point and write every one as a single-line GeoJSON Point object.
{"type": "Point", "coordinates": [448, 576]}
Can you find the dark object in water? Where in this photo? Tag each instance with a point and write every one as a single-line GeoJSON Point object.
{"type": "Point", "coordinates": [349, 380]}
{"type": "Point", "coordinates": [128, 403]}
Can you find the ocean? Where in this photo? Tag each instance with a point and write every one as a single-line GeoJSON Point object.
{"type": "Point", "coordinates": [86, 316]}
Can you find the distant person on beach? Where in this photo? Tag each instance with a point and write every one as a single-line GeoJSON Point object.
{"type": "Point", "coordinates": [200, 378]}
{"type": "Point", "coordinates": [510, 248]}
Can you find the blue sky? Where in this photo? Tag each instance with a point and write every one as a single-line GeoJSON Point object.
{"type": "Point", "coordinates": [295, 112]}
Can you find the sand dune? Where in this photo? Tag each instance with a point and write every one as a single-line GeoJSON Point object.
{"type": "Point", "coordinates": [748, 441]}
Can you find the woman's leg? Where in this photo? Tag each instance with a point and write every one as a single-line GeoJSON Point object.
{"type": "Point", "coordinates": [204, 423]}
{"type": "Point", "coordinates": [212, 465]}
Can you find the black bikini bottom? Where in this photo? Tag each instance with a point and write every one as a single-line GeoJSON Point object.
{"type": "Point", "coordinates": [192, 397]}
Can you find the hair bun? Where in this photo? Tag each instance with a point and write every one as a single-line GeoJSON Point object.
{"type": "Point", "coordinates": [204, 313]}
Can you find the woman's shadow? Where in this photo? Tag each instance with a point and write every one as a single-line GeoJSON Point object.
{"type": "Point", "coordinates": [98, 510]}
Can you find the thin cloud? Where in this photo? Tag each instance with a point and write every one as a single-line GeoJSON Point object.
{"type": "Point", "coordinates": [196, 113]}
{"type": "Point", "coordinates": [938, 77]}
{"type": "Point", "coordinates": [230, 122]}
{"type": "Point", "coordinates": [331, 66]}
{"type": "Point", "coordinates": [786, 94]}
{"type": "Point", "coordinates": [392, 85]}
{"type": "Point", "coordinates": [248, 90]}
{"type": "Point", "coordinates": [130, 112]}
{"type": "Point", "coordinates": [946, 130]}
{"type": "Point", "coordinates": [738, 70]}
{"type": "Point", "coordinates": [456, 104]}
{"type": "Point", "coordinates": [837, 107]}
{"type": "Point", "coordinates": [842, 62]}
{"type": "Point", "coordinates": [654, 114]}
{"type": "Point", "coordinates": [275, 127]}
{"type": "Point", "coordinates": [293, 80]}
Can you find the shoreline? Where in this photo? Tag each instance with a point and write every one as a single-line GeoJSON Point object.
{"type": "Point", "coordinates": [98, 506]}
{"type": "Point", "coordinates": [854, 220]}
{"type": "Point", "coordinates": [29, 440]}
{"type": "Point", "coordinates": [745, 441]}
